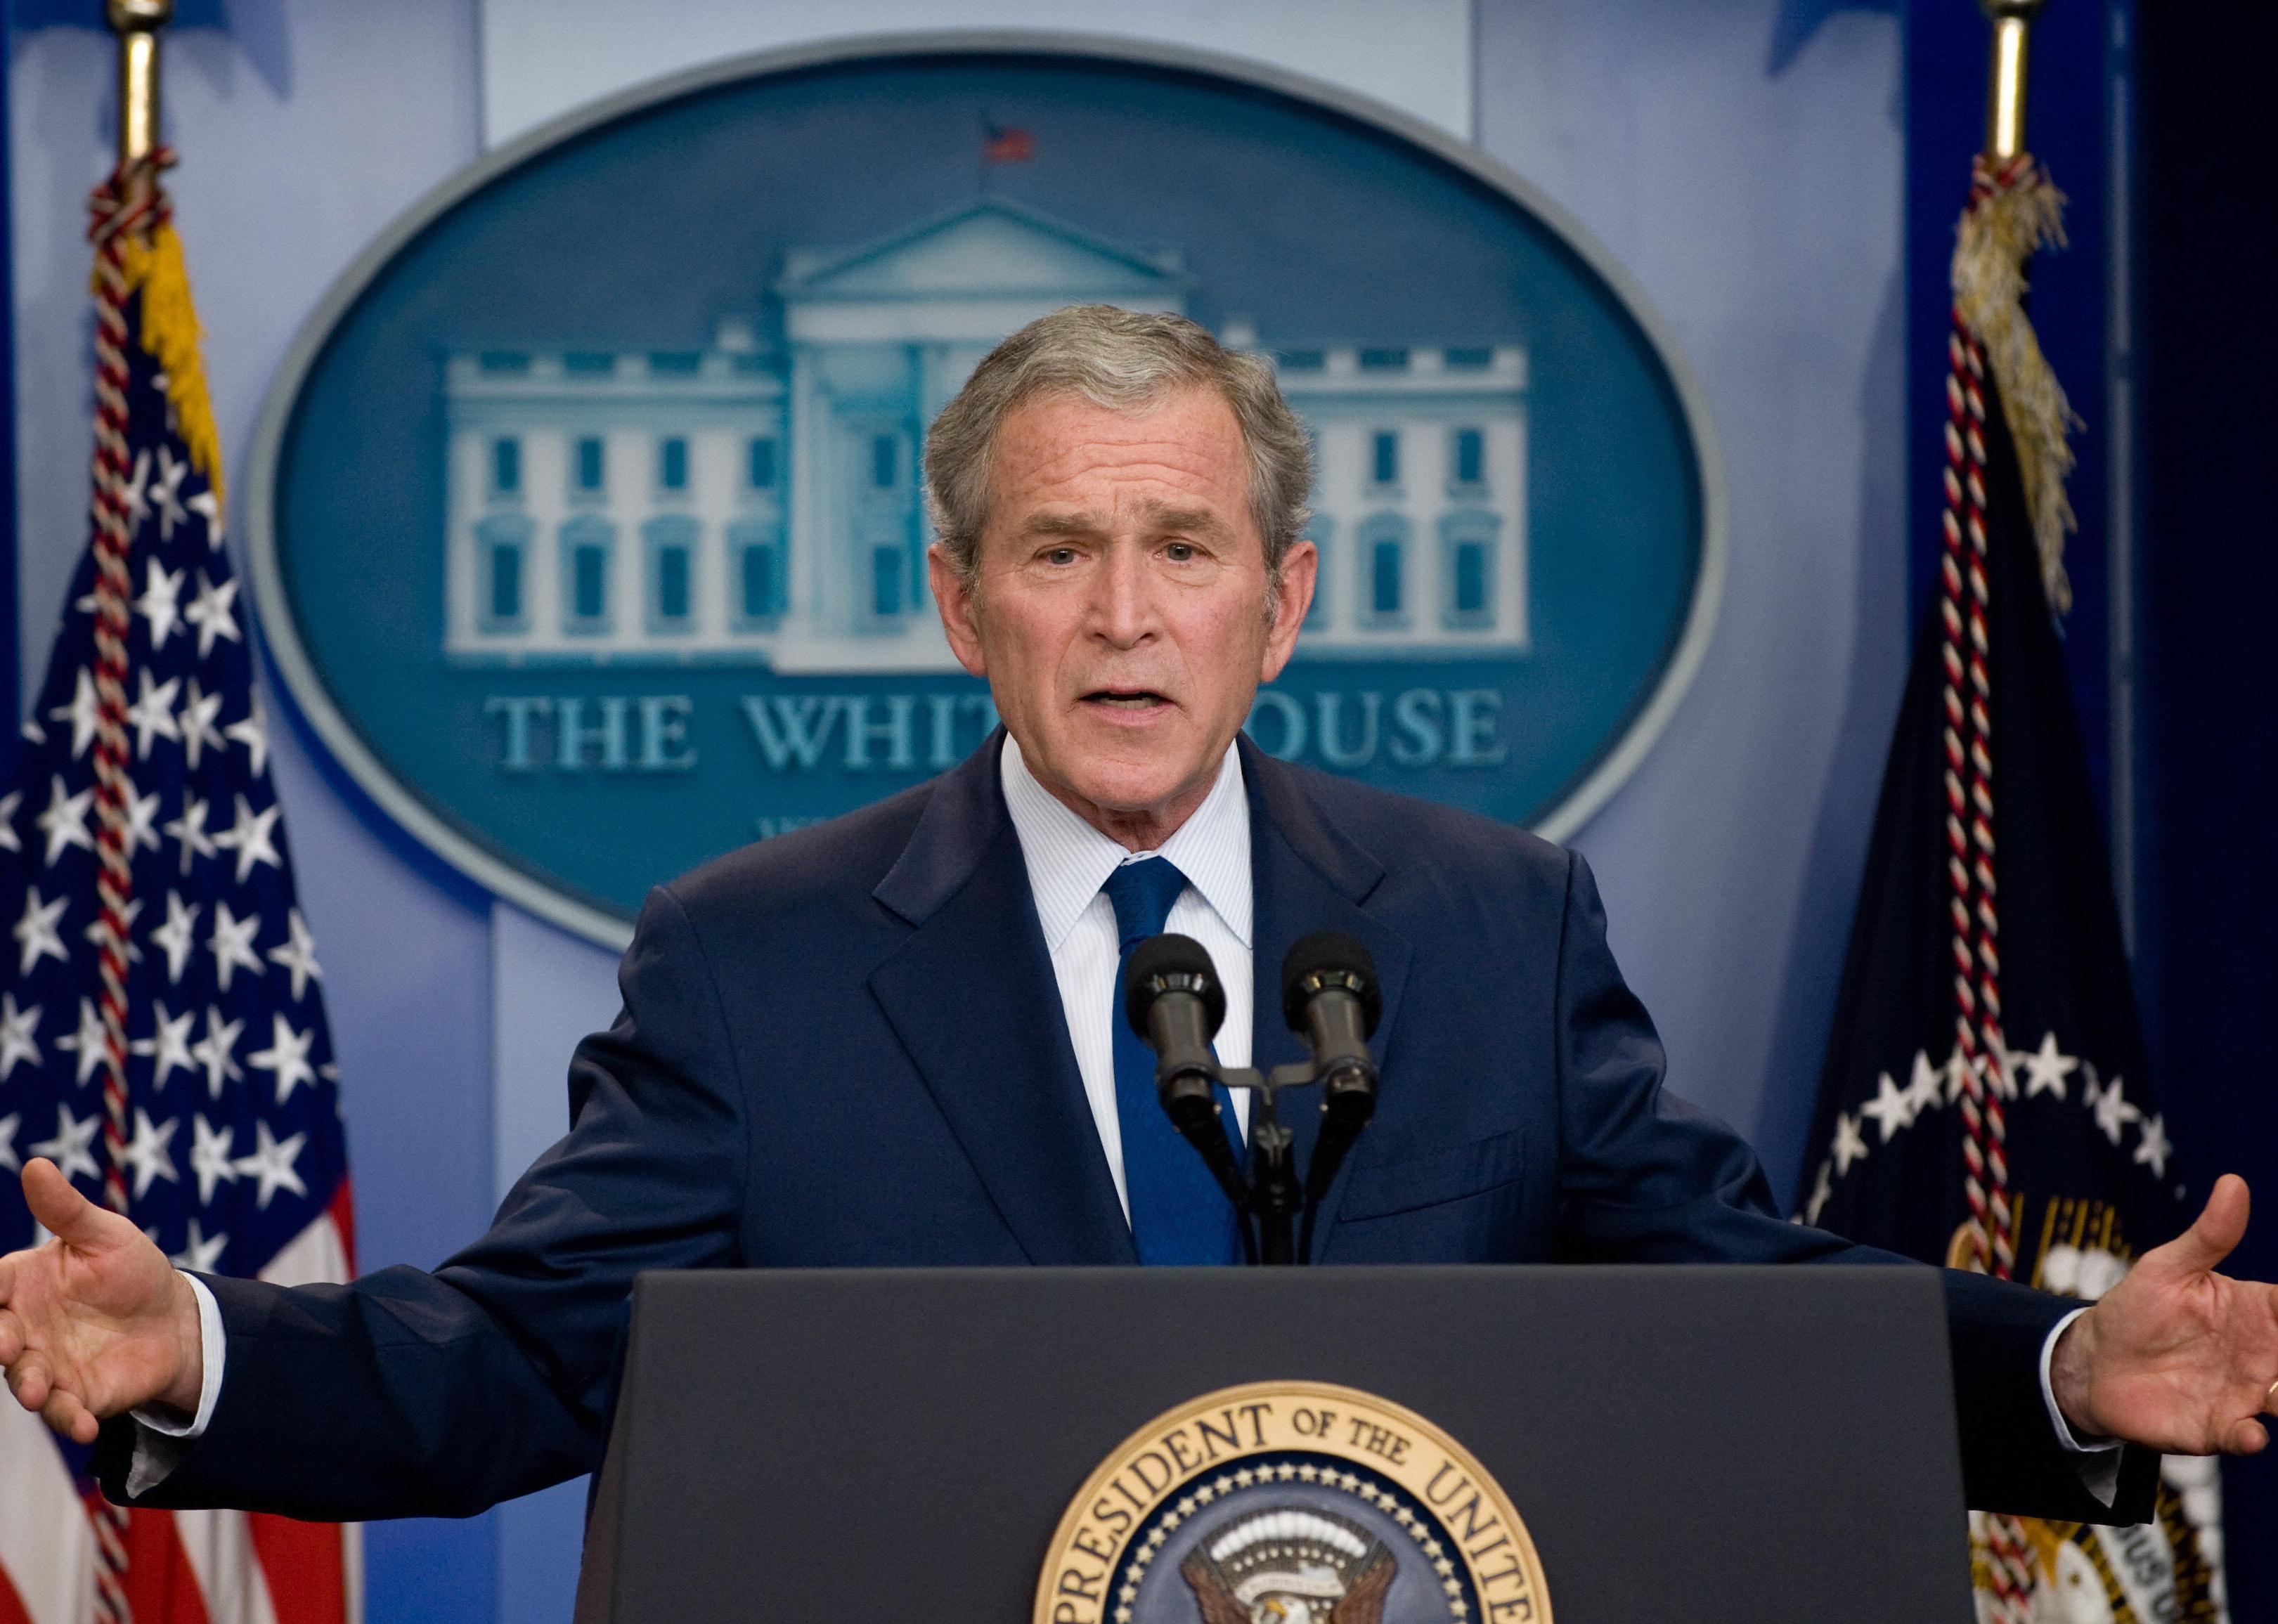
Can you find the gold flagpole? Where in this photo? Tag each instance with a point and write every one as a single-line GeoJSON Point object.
{"type": "Point", "coordinates": [2005, 102]}
{"type": "Point", "coordinates": [137, 23]}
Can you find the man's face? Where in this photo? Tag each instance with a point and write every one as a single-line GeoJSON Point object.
{"type": "Point", "coordinates": [1122, 611]}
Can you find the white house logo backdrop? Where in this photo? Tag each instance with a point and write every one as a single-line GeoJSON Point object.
{"type": "Point", "coordinates": [587, 519]}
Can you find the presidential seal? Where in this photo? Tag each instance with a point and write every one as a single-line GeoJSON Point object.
{"type": "Point", "coordinates": [1291, 1503]}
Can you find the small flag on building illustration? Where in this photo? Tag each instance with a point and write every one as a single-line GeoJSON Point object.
{"type": "Point", "coordinates": [1007, 143]}
{"type": "Point", "coordinates": [163, 1038]}
{"type": "Point", "coordinates": [1985, 1102]}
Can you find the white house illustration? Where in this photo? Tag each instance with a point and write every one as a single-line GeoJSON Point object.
{"type": "Point", "coordinates": [760, 506]}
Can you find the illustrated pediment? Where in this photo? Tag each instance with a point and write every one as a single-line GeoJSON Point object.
{"type": "Point", "coordinates": [991, 249]}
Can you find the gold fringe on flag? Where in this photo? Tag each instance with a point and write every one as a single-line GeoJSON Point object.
{"type": "Point", "coordinates": [2017, 211]}
{"type": "Point", "coordinates": [154, 267]}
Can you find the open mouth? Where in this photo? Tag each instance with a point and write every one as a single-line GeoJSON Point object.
{"type": "Point", "coordinates": [1126, 698]}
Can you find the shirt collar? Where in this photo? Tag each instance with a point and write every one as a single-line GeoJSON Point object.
{"type": "Point", "coordinates": [1069, 860]}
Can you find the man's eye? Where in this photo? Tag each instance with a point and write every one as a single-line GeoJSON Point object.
{"type": "Point", "coordinates": [1180, 552]}
{"type": "Point", "coordinates": [1060, 555]}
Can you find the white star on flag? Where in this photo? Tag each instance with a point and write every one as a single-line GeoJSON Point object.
{"type": "Point", "coordinates": [147, 1152]}
{"type": "Point", "coordinates": [160, 604]}
{"type": "Point", "coordinates": [190, 829]}
{"type": "Point", "coordinates": [253, 732]}
{"type": "Point", "coordinates": [64, 822]}
{"type": "Point", "coordinates": [167, 493]}
{"type": "Point", "coordinates": [141, 822]}
{"type": "Point", "coordinates": [2155, 1149]}
{"type": "Point", "coordinates": [286, 1057]}
{"type": "Point", "coordinates": [7, 1126]}
{"type": "Point", "coordinates": [137, 493]}
{"type": "Point", "coordinates": [1925, 1087]}
{"type": "Point", "coordinates": [214, 1051]}
{"type": "Point", "coordinates": [175, 935]}
{"type": "Point", "coordinates": [197, 716]}
{"type": "Point", "coordinates": [271, 1164]}
{"type": "Point", "coordinates": [1892, 1107]}
{"type": "Point", "coordinates": [2113, 1112]}
{"type": "Point", "coordinates": [168, 1045]}
{"type": "Point", "coordinates": [1956, 1073]}
{"type": "Point", "coordinates": [152, 713]}
{"type": "Point", "coordinates": [9, 803]}
{"type": "Point", "coordinates": [17, 1043]}
{"type": "Point", "coordinates": [251, 838]}
{"type": "Point", "coordinates": [81, 712]}
{"type": "Point", "coordinates": [1849, 1146]}
{"type": "Point", "coordinates": [202, 1253]}
{"type": "Point", "coordinates": [232, 943]}
{"type": "Point", "coordinates": [1822, 1192]}
{"type": "Point", "coordinates": [91, 1043]}
{"type": "Point", "coordinates": [204, 505]}
{"type": "Point", "coordinates": [2046, 1067]}
{"type": "Point", "coordinates": [298, 956]}
{"type": "Point", "coordinates": [68, 1150]}
{"type": "Point", "coordinates": [209, 1157]}
{"type": "Point", "coordinates": [210, 612]}
{"type": "Point", "coordinates": [36, 934]}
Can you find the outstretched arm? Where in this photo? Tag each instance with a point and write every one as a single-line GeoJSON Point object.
{"type": "Point", "coordinates": [96, 1322]}
{"type": "Point", "coordinates": [2177, 1357]}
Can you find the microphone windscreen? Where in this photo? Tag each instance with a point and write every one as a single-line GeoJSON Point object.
{"type": "Point", "coordinates": [1169, 960]}
{"type": "Point", "coordinates": [1332, 957]}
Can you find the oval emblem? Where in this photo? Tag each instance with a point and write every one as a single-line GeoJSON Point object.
{"type": "Point", "coordinates": [585, 518]}
{"type": "Point", "coordinates": [1291, 1503]}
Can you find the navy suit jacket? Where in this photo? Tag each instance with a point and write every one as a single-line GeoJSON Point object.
{"type": "Point", "coordinates": [845, 1046]}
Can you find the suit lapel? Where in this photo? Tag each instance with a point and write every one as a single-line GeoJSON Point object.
{"type": "Point", "coordinates": [1306, 876]}
{"type": "Point", "coordinates": [972, 995]}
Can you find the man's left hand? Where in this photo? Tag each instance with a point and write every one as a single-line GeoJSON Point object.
{"type": "Point", "coordinates": [2176, 1357]}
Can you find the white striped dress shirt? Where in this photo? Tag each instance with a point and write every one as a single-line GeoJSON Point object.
{"type": "Point", "coordinates": [1068, 861]}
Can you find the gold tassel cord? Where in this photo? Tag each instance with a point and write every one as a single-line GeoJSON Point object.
{"type": "Point", "coordinates": [2020, 212]}
{"type": "Point", "coordinates": [154, 267]}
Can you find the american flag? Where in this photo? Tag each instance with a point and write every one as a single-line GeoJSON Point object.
{"type": "Point", "coordinates": [162, 1023]}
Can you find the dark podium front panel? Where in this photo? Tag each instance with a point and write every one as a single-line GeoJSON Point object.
{"type": "Point", "coordinates": [1696, 1444]}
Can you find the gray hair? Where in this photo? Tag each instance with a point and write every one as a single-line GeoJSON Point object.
{"type": "Point", "coordinates": [1123, 361]}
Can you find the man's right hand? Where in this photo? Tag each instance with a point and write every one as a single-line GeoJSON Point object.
{"type": "Point", "coordinates": [96, 1322]}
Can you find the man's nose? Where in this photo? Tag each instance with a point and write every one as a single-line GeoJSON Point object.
{"type": "Point", "coordinates": [1124, 611]}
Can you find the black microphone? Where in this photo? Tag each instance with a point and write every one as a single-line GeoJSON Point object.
{"type": "Point", "coordinates": [1175, 1002]}
{"type": "Point", "coordinates": [1330, 997]}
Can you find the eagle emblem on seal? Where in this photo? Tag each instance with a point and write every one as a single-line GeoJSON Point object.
{"type": "Point", "coordinates": [1289, 1566]}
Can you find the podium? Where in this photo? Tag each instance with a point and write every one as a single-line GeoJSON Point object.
{"type": "Point", "coordinates": [1693, 1443]}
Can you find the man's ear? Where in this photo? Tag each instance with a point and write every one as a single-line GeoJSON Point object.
{"type": "Point", "coordinates": [959, 616]}
{"type": "Point", "coordinates": [1293, 596]}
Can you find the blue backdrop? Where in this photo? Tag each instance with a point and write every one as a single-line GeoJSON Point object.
{"type": "Point", "coordinates": [1781, 174]}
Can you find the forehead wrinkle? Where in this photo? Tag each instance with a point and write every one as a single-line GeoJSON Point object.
{"type": "Point", "coordinates": [1180, 466]}
{"type": "Point", "coordinates": [1155, 517]}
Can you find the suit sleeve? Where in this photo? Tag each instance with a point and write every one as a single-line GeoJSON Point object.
{"type": "Point", "coordinates": [1646, 1177]}
{"type": "Point", "coordinates": [413, 1394]}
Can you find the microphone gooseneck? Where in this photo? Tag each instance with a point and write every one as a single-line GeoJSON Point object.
{"type": "Point", "coordinates": [1331, 998]}
{"type": "Point", "coordinates": [1174, 1000]}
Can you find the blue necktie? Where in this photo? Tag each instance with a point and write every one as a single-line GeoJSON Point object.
{"type": "Point", "coordinates": [1179, 1215]}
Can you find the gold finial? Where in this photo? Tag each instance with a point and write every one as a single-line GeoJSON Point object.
{"type": "Point", "coordinates": [136, 23]}
{"type": "Point", "coordinates": [2005, 104]}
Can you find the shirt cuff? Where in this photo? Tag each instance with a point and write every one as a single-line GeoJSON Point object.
{"type": "Point", "coordinates": [2097, 1461]}
{"type": "Point", "coordinates": [162, 1436]}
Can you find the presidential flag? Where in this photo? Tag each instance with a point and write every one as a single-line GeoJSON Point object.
{"type": "Point", "coordinates": [162, 1023]}
{"type": "Point", "coordinates": [1986, 1102]}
